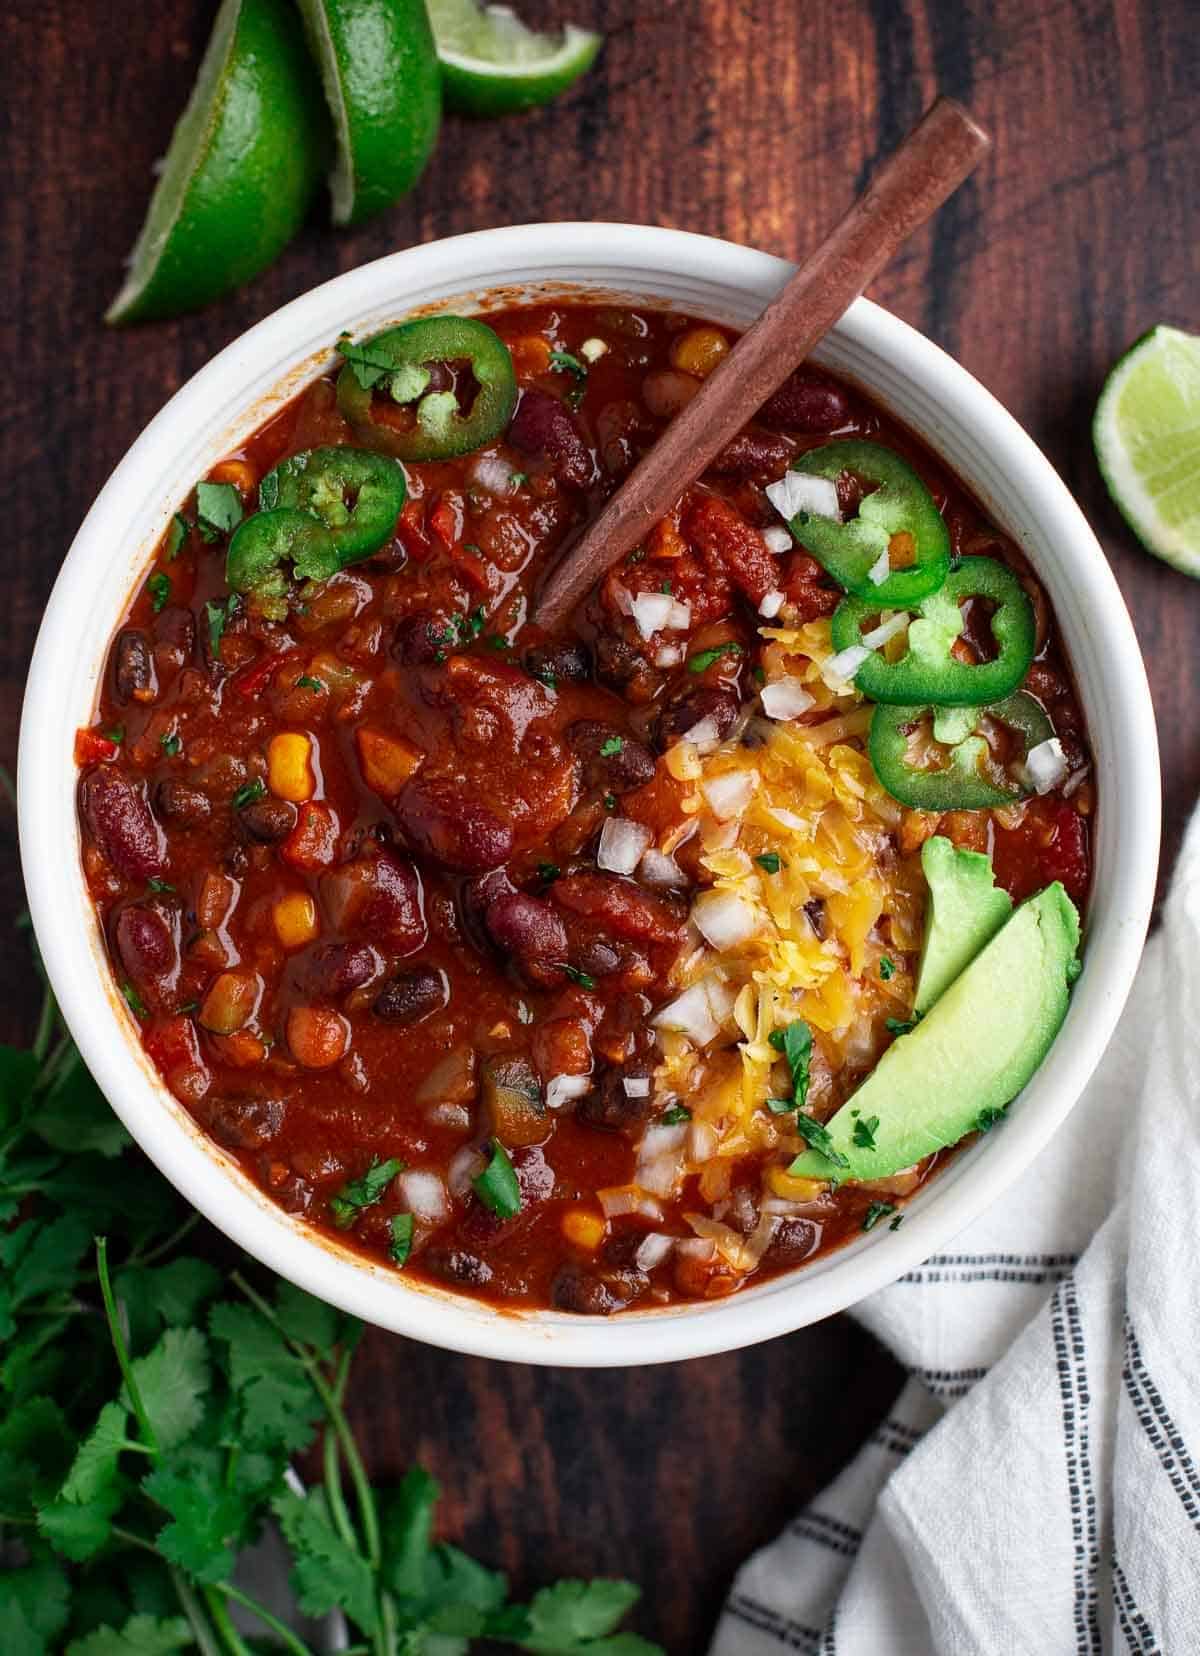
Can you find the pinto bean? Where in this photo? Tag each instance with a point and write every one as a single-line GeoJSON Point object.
{"type": "Point", "coordinates": [542, 426]}
{"type": "Point", "coordinates": [721, 706]}
{"type": "Point", "coordinates": [567, 662]}
{"type": "Point", "coordinates": [268, 820]}
{"type": "Point", "coordinates": [145, 943]}
{"type": "Point", "coordinates": [180, 804]}
{"type": "Point", "coordinates": [120, 822]}
{"type": "Point", "coordinates": [410, 997]}
{"type": "Point", "coordinates": [619, 905]}
{"type": "Point", "coordinates": [753, 455]}
{"type": "Point", "coordinates": [608, 1106]}
{"type": "Point", "coordinates": [244, 1121]}
{"type": "Point", "coordinates": [630, 766]}
{"type": "Point", "coordinates": [133, 668]}
{"type": "Point", "coordinates": [333, 969]}
{"type": "Point", "coordinates": [806, 402]}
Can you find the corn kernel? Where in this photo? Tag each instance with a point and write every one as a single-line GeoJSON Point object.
{"type": "Point", "coordinates": [683, 761]}
{"type": "Point", "coordinates": [295, 919]}
{"type": "Point", "coordinates": [794, 1190]}
{"type": "Point", "coordinates": [386, 761]}
{"type": "Point", "coordinates": [584, 1229]}
{"type": "Point", "coordinates": [289, 773]}
{"type": "Point", "coordinates": [699, 350]}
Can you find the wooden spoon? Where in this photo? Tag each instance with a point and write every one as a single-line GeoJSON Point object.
{"type": "Point", "coordinates": [928, 167]}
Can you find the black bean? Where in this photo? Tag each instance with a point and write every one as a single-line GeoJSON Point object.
{"type": "Point", "coordinates": [626, 764]}
{"type": "Point", "coordinates": [566, 662]}
{"type": "Point", "coordinates": [608, 1106]}
{"type": "Point", "coordinates": [268, 820]}
{"type": "Point", "coordinates": [814, 909]}
{"type": "Point", "coordinates": [619, 664]}
{"type": "Point", "coordinates": [333, 969]}
{"type": "Point", "coordinates": [411, 996]}
{"type": "Point", "coordinates": [180, 804]}
{"type": "Point", "coordinates": [595, 956]}
{"type": "Point", "coordinates": [418, 639]}
{"type": "Point", "coordinates": [595, 1294]}
{"type": "Point", "coordinates": [457, 1265]}
{"type": "Point", "coordinates": [793, 1242]}
{"type": "Point", "coordinates": [176, 627]}
{"type": "Point", "coordinates": [676, 720]}
{"type": "Point", "coordinates": [133, 666]}
{"type": "Point", "coordinates": [244, 1121]}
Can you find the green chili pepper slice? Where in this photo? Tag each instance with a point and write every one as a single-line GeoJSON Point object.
{"type": "Point", "coordinates": [356, 495]}
{"type": "Point", "coordinates": [927, 673]}
{"type": "Point", "coordinates": [396, 365]}
{"type": "Point", "coordinates": [963, 781]}
{"type": "Point", "coordinates": [263, 543]}
{"type": "Point", "coordinates": [898, 514]}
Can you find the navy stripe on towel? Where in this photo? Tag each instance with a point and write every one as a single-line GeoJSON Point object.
{"type": "Point", "coordinates": [1139, 1635]}
{"type": "Point", "coordinates": [1071, 1361]}
{"type": "Point", "coordinates": [1159, 1427]}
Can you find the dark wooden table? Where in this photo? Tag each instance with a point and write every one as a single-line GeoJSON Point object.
{"type": "Point", "coordinates": [750, 119]}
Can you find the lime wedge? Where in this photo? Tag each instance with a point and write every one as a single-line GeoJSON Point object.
{"type": "Point", "coordinates": [243, 165]}
{"type": "Point", "coordinates": [492, 64]}
{"type": "Point", "coordinates": [380, 73]}
{"type": "Point", "coordinates": [1147, 437]}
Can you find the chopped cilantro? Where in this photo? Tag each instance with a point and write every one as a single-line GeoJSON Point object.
{"type": "Point", "coordinates": [518, 480]}
{"type": "Point", "coordinates": [819, 1139]}
{"type": "Point", "coordinates": [637, 556]}
{"type": "Point", "coordinates": [781, 1106]}
{"type": "Point", "coordinates": [610, 802]}
{"type": "Point", "coordinates": [159, 588]}
{"type": "Point", "coordinates": [548, 872]}
{"type": "Point", "coordinates": [467, 627]}
{"type": "Point", "coordinates": [988, 1117]}
{"type": "Point", "coordinates": [543, 677]}
{"type": "Point", "coordinates": [216, 614]}
{"type": "Point", "coordinates": [307, 682]}
{"type": "Point", "coordinates": [364, 1192]}
{"type": "Point", "coordinates": [795, 1042]}
{"type": "Point", "coordinates": [218, 508]}
{"type": "Point", "coordinates": [864, 1132]}
{"type": "Point", "coordinates": [771, 861]}
{"type": "Point", "coordinates": [497, 1186]}
{"type": "Point", "coordinates": [170, 744]}
{"type": "Point", "coordinates": [248, 793]}
{"type": "Point", "coordinates": [706, 657]}
{"type": "Point", "coordinates": [133, 1000]}
{"type": "Point", "coordinates": [665, 589]}
{"type": "Point", "coordinates": [402, 1239]}
{"type": "Point", "coordinates": [114, 733]}
{"type": "Point", "coordinates": [876, 1212]}
{"type": "Point", "coordinates": [896, 1222]}
{"type": "Point", "coordinates": [177, 533]}
{"type": "Point", "coordinates": [583, 979]}
{"type": "Point", "coordinates": [674, 1114]}
{"type": "Point", "coordinates": [564, 363]}
{"type": "Point", "coordinates": [887, 967]}
{"type": "Point", "coordinates": [759, 676]}
{"type": "Point", "coordinates": [497, 641]}
{"type": "Point", "coordinates": [611, 746]}
{"type": "Point", "coordinates": [901, 1026]}
{"type": "Point", "coordinates": [156, 884]}
{"type": "Point", "coordinates": [367, 364]}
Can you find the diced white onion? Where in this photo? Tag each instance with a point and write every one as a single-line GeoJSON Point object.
{"type": "Point", "coordinates": [424, 1194]}
{"type": "Point", "coordinates": [879, 636]}
{"type": "Point", "coordinates": [561, 1088]}
{"type": "Point", "coordinates": [622, 599]}
{"type": "Point", "coordinates": [1045, 765]}
{"type": "Point", "coordinates": [621, 1199]}
{"type": "Point", "coordinates": [636, 1086]}
{"type": "Point", "coordinates": [493, 474]}
{"type": "Point", "coordinates": [668, 655]}
{"type": "Point", "coordinates": [880, 569]}
{"type": "Point", "coordinates": [651, 611]}
{"type": "Point", "coordinates": [695, 1247]}
{"type": "Point", "coordinates": [778, 539]}
{"type": "Point", "coordinates": [593, 349]}
{"type": "Point", "coordinates": [662, 1175]}
{"type": "Point", "coordinates": [652, 1250]}
{"type": "Point", "coordinates": [724, 919]}
{"type": "Point", "coordinates": [680, 617]}
{"type": "Point", "coordinates": [840, 669]}
{"type": "Point", "coordinates": [729, 794]}
{"type": "Point", "coordinates": [466, 1164]}
{"type": "Point", "coordinates": [720, 997]}
{"type": "Point", "coordinates": [720, 836]}
{"type": "Point", "coordinates": [702, 1141]}
{"type": "Point", "coordinates": [787, 819]}
{"type": "Point", "coordinates": [621, 845]}
{"type": "Point", "coordinates": [455, 1116]}
{"type": "Point", "coordinates": [690, 1014]}
{"type": "Point", "coordinates": [656, 868]}
{"type": "Point", "coordinates": [785, 698]}
{"type": "Point", "coordinates": [1076, 779]}
{"type": "Point", "coordinates": [704, 735]}
{"type": "Point", "coordinates": [796, 492]}
{"type": "Point", "coordinates": [772, 603]}
{"type": "Point", "coordinates": [662, 1141]}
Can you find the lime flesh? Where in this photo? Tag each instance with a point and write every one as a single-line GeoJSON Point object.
{"type": "Point", "coordinates": [243, 165]}
{"type": "Point", "coordinates": [1147, 436]}
{"type": "Point", "coordinates": [380, 72]}
{"type": "Point", "coordinates": [492, 64]}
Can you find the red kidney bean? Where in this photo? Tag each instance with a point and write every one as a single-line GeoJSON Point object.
{"type": "Point", "coordinates": [721, 706]}
{"type": "Point", "coordinates": [119, 820]}
{"type": "Point", "coordinates": [542, 426]}
{"type": "Point", "coordinates": [417, 640]}
{"type": "Point", "coordinates": [806, 402]}
{"type": "Point", "coordinates": [333, 969]}
{"type": "Point", "coordinates": [453, 827]}
{"type": "Point", "coordinates": [758, 455]}
{"type": "Point", "coordinates": [621, 906]}
{"type": "Point", "coordinates": [630, 766]}
{"type": "Point", "coordinates": [145, 944]}
{"type": "Point", "coordinates": [180, 804]}
{"type": "Point", "coordinates": [529, 929]}
{"type": "Point", "coordinates": [133, 666]}
{"type": "Point", "coordinates": [595, 956]}
{"type": "Point", "coordinates": [566, 662]}
{"type": "Point", "coordinates": [410, 997]}
{"type": "Point", "coordinates": [380, 895]}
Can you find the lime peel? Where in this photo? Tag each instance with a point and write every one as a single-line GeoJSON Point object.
{"type": "Point", "coordinates": [493, 64]}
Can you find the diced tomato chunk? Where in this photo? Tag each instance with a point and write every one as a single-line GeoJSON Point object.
{"type": "Point", "coordinates": [313, 842]}
{"type": "Point", "coordinates": [93, 749]}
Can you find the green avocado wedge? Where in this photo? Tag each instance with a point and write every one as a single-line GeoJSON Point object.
{"type": "Point", "coordinates": [969, 1058]}
{"type": "Point", "coordinates": [965, 910]}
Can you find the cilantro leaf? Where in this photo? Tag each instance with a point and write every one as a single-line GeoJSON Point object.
{"type": "Point", "coordinates": [863, 1135]}
{"type": "Point", "coordinates": [901, 1026]}
{"type": "Point", "coordinates": [279, 1408]}
{"type": "Point", "coordinates": [177, 533]}
{"type": "Point", "coordinates": [218, 507]}
{"type": "Point", "coordinates": [95, 1465]}
{"type": "Point", "coordinates": [78, 1531]}
{"type": "Point", "coordinates": [770, 861]}
{"type": "Point", "coordinates": [674, 1114]}
{"type": "Point", "coordinates": [216, 615]}
{"type": "Point", "coordinates": [327, 1573]}
{"type": "Point", "coordinates": [876, 1212]}
{"type": "Point", "coordinates": [49, 1256]}
{"type": "Point", "coordinates": [33, 1607]}
{"type": "Point", "coordinates": [611, 746]}
{"type": "Point", "coordinates": [141, 1635]}
{"type": "Point", "coordinates": [407, 1527]}
{"type": "Point", "coordinates": [497, 1186]}
{"type": "Point", "coordinates": [563, 1617]}
{"type": "Point", "coordinates": [564, 363]}
{"type": "Point", "coordinates": [159, 588]}
{"type": "Point", "coordinates": [988, 1117]}
{"type": "Point", "coordinates": [795, 1041]}
{"type": "Point", "coordinates": [173, 1380]}
{"type": "Point", "coordinates": [307, 682]}
{"type": "Point", "coordinates": [206, 1517]}
{"type": "Point", "coordinates": [310, 1321]}
{"type": "Point", "coordinates": [815, 1135]}
{"type": "Point", "coordinates": [402, 1239]}
{"type": "Point", "coordinates": [248, 793]}
{"type": "Point", "coordinates": [170, 742]}
{"type": "Point", "coordinates": [706, 657]}
{"type": "Point", "coordinates": [363, 1192]}
{"type": "Point", "coordinates": [887, 968]}
{"type": "Point", "coordinates": [368, 363]}
{"type": "Point", "coordinates": [583, 979]}
{"type": "Point", "coordinates": [75, 1116]}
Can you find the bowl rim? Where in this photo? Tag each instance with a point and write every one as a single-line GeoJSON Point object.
{"type": "Point", "coordinates": [578, 257]}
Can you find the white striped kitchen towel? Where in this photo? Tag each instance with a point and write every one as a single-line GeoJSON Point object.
{"type": "Point", "coordinates": [1036, 1488]}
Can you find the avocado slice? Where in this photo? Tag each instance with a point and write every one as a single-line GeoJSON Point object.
{"type": "Point", "coordinates": [970, 1057]}
{"type": "Point", "coordinates": [965, 910]}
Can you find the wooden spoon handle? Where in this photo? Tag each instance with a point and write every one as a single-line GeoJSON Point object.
{"type": "Point", "coordinates": [928, 167]}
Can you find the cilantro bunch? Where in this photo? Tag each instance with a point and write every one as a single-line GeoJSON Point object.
{"type": "Point", "coordinates": [151, 1407]}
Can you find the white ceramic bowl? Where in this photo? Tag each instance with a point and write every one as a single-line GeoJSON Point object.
{"type": "Point", "coordinates": [228, 400]}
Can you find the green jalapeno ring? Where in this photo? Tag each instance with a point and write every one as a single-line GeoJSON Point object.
{"type": "Point", "coordinates": [927, 674]}
{"type": "Point", "coordinates": [959, 785]}
{"type": "Point", "coordinates": [900, 503]}
{"type": "Point", "coordinates": [439, 431]}
{"type": "Point", "coordinates": [354, 494]}
{"type": "Point", "coordinates": [262, 543]}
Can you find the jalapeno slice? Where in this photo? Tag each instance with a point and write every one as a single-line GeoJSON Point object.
{"type": "Point", "coordinates": [897, 521]}
{"type": "Point", "coordinates": [263, 543]}
{"type": "Point", "coordinates": [356, 495]}
{"type": "Point", "coordinates": [395, 368]}
{"type": "Point", "coordinates": [957, 770]}
{"type": "Point", "coordinates": [927, 673]}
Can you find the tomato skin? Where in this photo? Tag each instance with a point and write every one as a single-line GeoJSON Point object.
{"type": "Point", "coordinates": [1066, 857]}
{"type": "Point", "coordinates": [1050, 844]}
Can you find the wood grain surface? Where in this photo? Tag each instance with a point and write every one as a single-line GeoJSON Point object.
{"type": "Point", "coordinates": [751, 119]}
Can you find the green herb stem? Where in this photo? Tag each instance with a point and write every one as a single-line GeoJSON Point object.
{"type": "Point", "coordinates": [192, 1608]}
{"type": "Point", "coordinates": [282, 1632]}
{"type": "Point", "coordinates": [44, 1033]}
{"type": "Point", "coordinates": [223, 1622]}
{"type": "Point", "coordinates": [117, 1335]}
